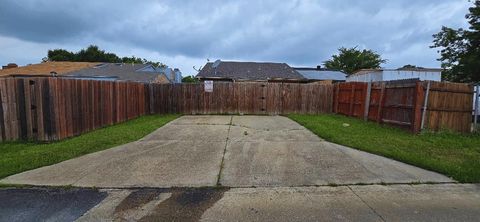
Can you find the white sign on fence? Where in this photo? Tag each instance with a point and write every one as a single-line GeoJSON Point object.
{"type": "Point", "coordinates": [208, 86]}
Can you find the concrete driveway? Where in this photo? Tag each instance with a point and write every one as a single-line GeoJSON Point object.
{"type": "Point", "coordinates": [233, 151]}
{"type": "Point", "coordinates": [272, 168]}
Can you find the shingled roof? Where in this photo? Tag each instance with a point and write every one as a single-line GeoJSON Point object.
{"type": "Point", "coordinates": [316, 74]}
{"type": "Point", "coordinates": [46, 68]}
{"type": "Point", "coordinates": [249, 71]}
{"type": "Point", "coordinates": [123, 71]}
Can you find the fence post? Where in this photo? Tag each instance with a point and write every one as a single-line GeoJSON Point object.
{"type": "Point", "coordinates": [337, 91]}
{"type": "Point", "coordinates": [424, 111]}
{"type": "Point", "coordinates": [367, 101]}
{"type": "Point", "coordinates": [380, 103]}
{"type": "Point", "coordinates": [417, 108]}
{"type": "Point", "coordinates": [352, 101]}
{"type": "Point", "coordinates": [476, 113]}
{"type": "Point", "coordinates": [150, 98]}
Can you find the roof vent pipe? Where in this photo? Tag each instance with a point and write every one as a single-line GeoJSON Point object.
{"type": "Point", "coordinates": [215, 65]}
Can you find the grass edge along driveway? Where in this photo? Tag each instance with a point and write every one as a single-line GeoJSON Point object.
{"type": "Point", "coordinates": [452, 154]}
{"type": "Point", "coordinates": [16, 157]}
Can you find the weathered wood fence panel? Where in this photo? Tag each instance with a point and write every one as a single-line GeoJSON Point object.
{"type": "Point", "coordinates": [401, 103]}
{"type": "Point", "coordinates": [449, 106]}
{"type": "Point", "coordinates": [53, 108]}
{"type": "Point", "coordinates": [245, 98]}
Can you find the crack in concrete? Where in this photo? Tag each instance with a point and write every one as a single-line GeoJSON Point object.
{"type": "Point", "coordinates": [224, 151]}
{"type": "Point", "coordinates": [368, 205]}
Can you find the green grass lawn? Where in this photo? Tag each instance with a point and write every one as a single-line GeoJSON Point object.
{"type": "Point", "coordinates": [451, 154]}
{"type": "Point", "coordinates": [16, 157]}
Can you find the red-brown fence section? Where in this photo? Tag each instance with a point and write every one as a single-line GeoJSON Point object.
{"type": "Point", "coordinates": [449, 105]}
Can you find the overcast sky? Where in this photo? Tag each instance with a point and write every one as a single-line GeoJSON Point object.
{"type": "Point", "coordinates": [184, 33]}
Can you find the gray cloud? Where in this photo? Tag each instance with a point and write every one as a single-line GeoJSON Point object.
{"type": "Point", "coordinates": [297, 32]}
{"type": "Point", "coordinates": [39, 22]}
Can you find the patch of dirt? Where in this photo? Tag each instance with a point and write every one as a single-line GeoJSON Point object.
{"type": "Point", "coordinates": [186, 205]}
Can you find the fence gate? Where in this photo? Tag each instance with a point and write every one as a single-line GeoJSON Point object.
{"type": "Point", "coordinates": [251, 97]}
{"type": "Point", "coordinates": [261, 96]}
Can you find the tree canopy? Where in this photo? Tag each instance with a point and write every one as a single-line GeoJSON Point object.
{"type": "Point", "coordinates": [460, 49]}
{"type": "Point", "coordinates": [350, 60]}
{"type": "Point", "coordinates": [409, 66]}
{"type": "Point", "coordinates": [93, 54]}
{"type": "Point", "coordinates": [189, 79]}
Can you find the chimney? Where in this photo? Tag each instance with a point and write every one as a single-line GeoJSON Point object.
{"type": "Point", "coordinates": [10, 66]}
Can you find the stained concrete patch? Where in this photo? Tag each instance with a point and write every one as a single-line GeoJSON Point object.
{"type": "Point", "coordinates": [47, 204]}
{"type": "Point", "coordinates": [104, 211]}
{"type": "Point", "coordinates": [290, 204]}
{"type": "Point", "coordinates": [185, 205]}
{"type": "Point", "coordinates": [137, 199]}
{"type": "Point", "coordinates": [140, 204]}
{"type": "Point", "coordinates": [445, 202]}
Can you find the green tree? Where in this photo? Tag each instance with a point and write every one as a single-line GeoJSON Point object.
{"type": "Point", "coordinates": [60, 55]}
{"type": "Point", "coordinates": [94, 54]}
{"type": "Point", "coordinates": [350, 60]}
{"type": "Point", "coordinates": [409, 66]}
{"type": "Point", "coordinates": [460, 49]}
{"type": "Point", "coordinates": [189, 79]}
{"type": "Point", "coordinates": [134, 59]}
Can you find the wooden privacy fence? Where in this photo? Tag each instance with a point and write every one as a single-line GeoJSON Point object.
{"type": "Point", "coordinates": [402, 103]}
{"type": "Point", "coordinates": [246, 98]}
{"type": "Point", "coordinates": [54, 108]}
